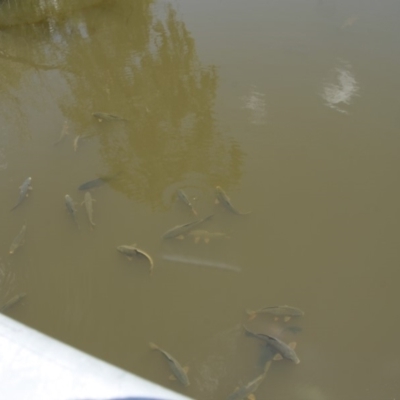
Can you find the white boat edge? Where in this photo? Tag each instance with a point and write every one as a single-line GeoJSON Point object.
{"type": "Point", "coordinates": [34, 366]}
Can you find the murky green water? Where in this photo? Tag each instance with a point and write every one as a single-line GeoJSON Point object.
{"type": "Point", "coordinates": [291, 107]}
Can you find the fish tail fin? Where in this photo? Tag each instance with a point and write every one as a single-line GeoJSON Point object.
{"type": "Point", "coordinates": [153, 346]}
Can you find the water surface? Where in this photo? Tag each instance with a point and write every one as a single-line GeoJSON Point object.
{"type": "Point", "coordinates": [290, 106]}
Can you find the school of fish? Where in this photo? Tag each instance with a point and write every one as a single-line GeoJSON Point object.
{"type": "Point", "coordinates": [275, 347]}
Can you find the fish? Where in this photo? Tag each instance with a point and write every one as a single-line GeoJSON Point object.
{"type": "Point", "coordinates": [76, 141]}
{"type": "Point", "coordinates": [95, 182]}
{"type": "Point", "coordinates": [179, 371]}
{"type": "Point", "coordinates": [223, 198]}
{"type": "Point", "coordinates": [182, 195]}
{"type": "Point", "coordinates": [78, 138]}
{"type": "Point", "coordinates": [205, 263]}
{"type": "Point", "coordinates": [200, 234]}
{"type": "Point", "coordinates": [64, 133]}
{"type": "Point", "coordinates": [18, 241]}
{"type": "Point", "coordinates": [246, 390]}
{"type": "Point", "coordinates": [12, 301]}
{"type": "Point", "coordinates": [282, 348]}
{"type": "Point", "coordinates": [179, 230]}
{"type": "Point", "coordinates": [132, 251]}
{"type": "Point", "coordinates": [71, 207]}
{"type": "Point", "coordinates": [23, 191]}
{"type": "Point", "coordinates": [279, 311]}
{"type": "Point", "coordinates": [88, 201]}
{"type": "Point", "coordinates": [107, 117]}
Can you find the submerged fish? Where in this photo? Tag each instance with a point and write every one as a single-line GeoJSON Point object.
{"type": "Point", "coordinates": [132, 251]}
{"type": "Point", "coordinates": [96, 182]}
{"type": "Point", "coordinates": [23, 191]}
{"type": "Point", "coordinates": [200, 234]}
{"type": "Point", "coordinates": [223, 198]}
{"type": "Point", "coordinates": [19, 240]}
{"type": "Point", "coordinates": [179, 230]}
{"type": "Point", "coordinates": [64, 133]}
{"type": "Point", "coordinates": [279, 311]}
{"type": "Point", "coordinates": [107, 117]}
{"type": "Point", "coordinates": [179, 371]}
{"type": "Point", "coordinates": [88, 201]}
{"type": "Point", "coordinates": [71, 207]}
{"type": "Point", "coordinates": [282, 348]}
{"type": "Point", "coordinates": [76, 141]}
{"type": "Point", "coordinates": [78, 138]}
{"type": "Point", "coordinates": [182, 195]}
{"type": "Point", "coordinates": [205, 263]}
{"type": "Point", "coordinates": [12, 301]}
{"type": "Point", "coordinates": [246, 390]}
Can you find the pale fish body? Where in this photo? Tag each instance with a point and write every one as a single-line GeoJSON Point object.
{"type": "Point", "coordinates": [23, 191]}
{"type": "Point", "coordinates": [182, 195]}
{"type": "Point", "coordinates": [18, 241]}
{"type": "Point", "coordinates": [280, 311]}
{"type": "Point", "coordinates": [282, 348]}
{"type": "Point", "coordinates": [12, 301]}
{"type": "Point", "coordinates": [200, 234]}
{"type": "Point", "coordinates": [201, 262]}
{"type": "Point", "coordinates": [71, 207]}
{"type": "Point", "coordinates": [182, 229]}
{"type": "Point", "coordinates": [107, 117]}
{"type": "Point", "coordinates": [176, 368]}
{"type": "Point", "coordinates": [223, 198]}
{"type": "Point", "coordinates": [246, 390]}
{"type": "Point", "coordinates": [64, 133]}
{"type": "Point", "coordinates": [88, 201]}
{"type": "Point", "coordinates": [132, 251]}
{"type": "Point", "coordinates": [76, 141]}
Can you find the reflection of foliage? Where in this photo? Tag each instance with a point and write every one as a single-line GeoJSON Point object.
{"type": "Point", "coordinates": [14, 12]}
{"type": "Point", "coordinates": [120, 58]}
